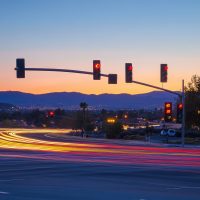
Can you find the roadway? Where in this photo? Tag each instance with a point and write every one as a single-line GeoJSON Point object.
{"type": "Point", "coordinates": [49, 164]}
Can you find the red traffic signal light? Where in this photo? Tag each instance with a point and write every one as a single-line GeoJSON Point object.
{"type": "Point", "coordinates": [168, 111]}
{"type": "Point", "coordinates": [165, 68]}
{"type": "Point", "coordinates": [128, 72]}
{"type": "Point", "coordinates": [180, 106]}
{"type": "Point", "coordinates": [130, 68]}
{"type": "Point", "coordinates": [96, 70]}
{"type": "Point", "coordinates": [20, 67]}
{"type": "Point", "coordinates": [163, 73]}
{"type": "Point", "coordinates": [51, 114]}
{"type": "Point", "coordinates": [97, 65]}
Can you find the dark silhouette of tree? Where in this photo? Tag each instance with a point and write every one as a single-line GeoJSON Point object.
{"type": "Point", "coordinates": [113, 130]}
{"type": "Point", "coordinates": [104, 113]}
{"type": "Point", "coordinates": [83, 106]}
{"type": "Point", "coordinates": [192, 102]}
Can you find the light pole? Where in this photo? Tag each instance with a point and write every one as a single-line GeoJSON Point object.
{"type": "Point", "coordinates": [183, 115]}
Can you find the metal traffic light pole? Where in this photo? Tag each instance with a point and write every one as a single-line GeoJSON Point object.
{"type": "Point", "coordinates": [183, 113]}
{"type": "Point", "coordinates": [62, 70]}
{"type": "Point", "coordinates": [20, 68]}
{"type": "Point", "coordinates": [112, 78]}
{"type": "Point", "coordinates": [159, 88]}
{"type": "Point", "coordinates": [182, 96]}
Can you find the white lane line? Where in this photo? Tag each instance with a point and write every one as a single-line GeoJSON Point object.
{"type": "Point", "coordinates": [184, 187]}
{"type": "Point", "coordinates": [11, 180]}
{"type": "Point", "coordinates": [1, 192]}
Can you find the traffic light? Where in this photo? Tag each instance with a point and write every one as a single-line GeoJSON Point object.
{"type": "Point", "coordinates": [179, 114]}
{"type": "Point", "coordinates": [112, 78]}
{"type": "Point", "coordinates": [168, 111]}
{"type": "Point", "coordinates": [51, 114]}
{"type": "Point", "coordinates": [96, 70]}
{"type": "Point", "coordinates": [128, 72]}
{"type": "Point", "coordinates": [163, 73]}
{"type": "Point", "coordinates": [20, 67]}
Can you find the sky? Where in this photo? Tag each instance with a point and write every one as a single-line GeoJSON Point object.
{"type": "Point", "coordinates": [70, 34]}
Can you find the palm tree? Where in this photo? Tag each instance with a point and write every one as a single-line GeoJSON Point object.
{"type": "Point", "coordinates": [84, 106]}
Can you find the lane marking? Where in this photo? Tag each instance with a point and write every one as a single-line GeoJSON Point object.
{"type": "Point", "coordinates": [183, 187]}
{"type": "Point", "coordinates": [6, 180]}
{"type": "Point", "coordinates": [1, 192]}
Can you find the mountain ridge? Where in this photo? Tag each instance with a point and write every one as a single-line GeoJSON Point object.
{"type": "Point", "coordinates": [154, 99]}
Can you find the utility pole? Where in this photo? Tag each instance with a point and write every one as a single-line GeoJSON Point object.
{"type": "Point", "coordinates": [183, 115]}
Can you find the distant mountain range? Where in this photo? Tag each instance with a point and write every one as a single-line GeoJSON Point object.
{"type": "Point", "coordinates": [71, 100]}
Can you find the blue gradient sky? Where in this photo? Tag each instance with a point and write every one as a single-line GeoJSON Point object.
{"type": "Point", "coordinates": [71, 33]}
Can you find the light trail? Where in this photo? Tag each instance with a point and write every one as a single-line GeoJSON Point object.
{"type": "Point", "coordinates": [25, 144]}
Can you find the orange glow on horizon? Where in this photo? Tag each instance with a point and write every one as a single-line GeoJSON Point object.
{"type": "Point", "coordinates": [46, 82]}
{"type": "Point", "coordinates": [82, 85]}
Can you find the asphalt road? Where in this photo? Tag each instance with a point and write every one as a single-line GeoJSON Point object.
{"type": "Point", "coordinates": [45, 165]}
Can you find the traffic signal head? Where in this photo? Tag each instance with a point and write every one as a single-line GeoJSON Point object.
{"type": "Point", "coordinates": [20, 67]}
{"type": "Point", "coordinates": [112, 78]}
{"type": "Point", "coordinates": [163, 73]}
{"type": "Point", "coordinates": [179, 113]}
{"type": "Point", "coordinates": [96, 70]}
{"type": "Point", "coordinates": [51, 114]}
{"type": "Point", "coordinates": [180, 106]}
{"type": "Point", "coordinates": [168, 111]}
{"type": "Point", "coordinates": [128, 72]}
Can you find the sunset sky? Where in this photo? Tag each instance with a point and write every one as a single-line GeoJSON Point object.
{"type": "Point", "coordinates": [72, 33]}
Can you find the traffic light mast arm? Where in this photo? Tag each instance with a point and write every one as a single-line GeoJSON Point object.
{"type": "Point", "coordinates": [62, 70]}
{"type": "Point", "coordinates": [159, 88]}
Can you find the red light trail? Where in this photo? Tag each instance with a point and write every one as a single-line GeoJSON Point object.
{"type": "Point", "coordinates": [67, 148]}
